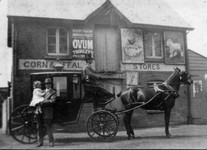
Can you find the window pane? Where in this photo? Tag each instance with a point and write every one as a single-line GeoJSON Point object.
{"type": "Point", "coordinates": [153, 44]}
{"type": "Point", "coordinates": [63, 49]}
{"type": "Point", "coordinates": [63, 32]}
{"type": "Point", "coordinates": [51, 48]}
{"type": "Point", "coordinates": [51, 40]}
{"type": "Point", "coordinates": [60, 84]}
{"type": "Point", "coordinates": [51, 31]}
{"type": "Point", "coordinates": [148, 44]}
{"type": "Point", "coordinates": [63, 40]}
{"type": "Point", "coordinates": [158, 45]}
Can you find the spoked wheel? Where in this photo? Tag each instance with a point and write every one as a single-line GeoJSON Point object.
{"type": "Point", "coordinates": [22, 124]}
{"type": "Point", "coordinates": [102, 126]}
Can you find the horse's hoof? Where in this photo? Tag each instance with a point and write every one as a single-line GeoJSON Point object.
{"type": "Point", "coordinates": [168, 135]}
{"type": "Point", "coordinates": [133, 136]}
{"type": "Point", "coordinates": [129, 137]}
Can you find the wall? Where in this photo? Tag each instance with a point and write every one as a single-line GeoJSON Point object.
{"type": "Point", "coordinates": [30, 43]}
{"type": "Point", "coordinates": [198, 70]}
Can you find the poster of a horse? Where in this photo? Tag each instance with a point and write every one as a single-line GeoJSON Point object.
{"type": "Point", "coordinates": [174, 48]}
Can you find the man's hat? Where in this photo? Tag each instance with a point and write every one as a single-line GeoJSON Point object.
{"type": "Point", "coordinates": [88, 56]}
{"type": "Point", "coordinates": [48, 81]}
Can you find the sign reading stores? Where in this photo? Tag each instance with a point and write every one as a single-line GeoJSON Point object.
{"type": "Point", "coordinates": [150, 67]}
{"type": "Point", "coordinates": [82, 43]}
{"type": "Point", "coordinates": [36, 64]}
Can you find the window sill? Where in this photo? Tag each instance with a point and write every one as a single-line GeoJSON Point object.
{"type": "Point", "coordinates": [58, 57]}
{"type": "Point", "coordinates": [154, 59]}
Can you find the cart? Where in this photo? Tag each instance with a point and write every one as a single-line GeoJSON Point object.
{"type": "Point", "coordinates": [102, 125]}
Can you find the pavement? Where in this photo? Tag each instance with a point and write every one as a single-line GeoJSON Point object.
{"type": "Point", "coordinates": [183, 137]}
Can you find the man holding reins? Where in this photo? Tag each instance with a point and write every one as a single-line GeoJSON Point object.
{"type": "Point", "coordinates": [90, 81]}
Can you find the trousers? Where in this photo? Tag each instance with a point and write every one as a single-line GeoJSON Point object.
{"type": "Point", "coordinates": [41, 122]}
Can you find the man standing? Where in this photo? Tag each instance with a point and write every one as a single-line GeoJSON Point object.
{"type": "Point", "coordinates": [47, 114]}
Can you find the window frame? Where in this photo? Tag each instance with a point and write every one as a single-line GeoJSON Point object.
{"type": "Point", "coordinates": [154, 57]}
{"type": "Point", "coordinates": [57, 43]}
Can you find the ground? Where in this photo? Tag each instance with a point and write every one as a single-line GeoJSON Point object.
{"type": "Point", "coordinates": [184, 137]}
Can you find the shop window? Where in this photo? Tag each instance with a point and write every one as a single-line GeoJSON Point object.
{"type": "Point", "coordinates": [60, 85]}
{"type": "Point", "coordinates": [153, 45]}
{"type": "Point", "coordinates": [57, 41]}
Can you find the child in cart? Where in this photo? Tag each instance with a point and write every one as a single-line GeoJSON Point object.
{"type": "Point", "coordinates": [38, 96]}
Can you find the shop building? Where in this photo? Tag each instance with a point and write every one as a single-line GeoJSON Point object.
{"type": "Point", "coordinates": [138, 42]}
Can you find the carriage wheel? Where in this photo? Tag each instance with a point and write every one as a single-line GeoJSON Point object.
{"type": "Point", "coordinates": [22, 124]}
{"type": "Point", "coordinates": [102, 126]}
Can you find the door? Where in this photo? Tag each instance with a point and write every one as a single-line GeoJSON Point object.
{"type": "Point", "coordinates": [107, 52]}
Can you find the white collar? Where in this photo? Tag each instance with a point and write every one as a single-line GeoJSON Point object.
{"type": "Point", "coordinates": [48, 90]}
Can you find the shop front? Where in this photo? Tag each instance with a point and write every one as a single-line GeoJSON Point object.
{"type": "Point", "coordinates": [129, 53]}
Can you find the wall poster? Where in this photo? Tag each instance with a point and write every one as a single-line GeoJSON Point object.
{"type": "Point", "coordinates": [131, 78]}
{"type": "Point", "coordinates": [197, 88]}
{"type": "Point", "coordinates": [82, 43]}
{"type": "Point", "coordinates": [132, 46]}
{"type": "Point", "coordinates": [174, 48]}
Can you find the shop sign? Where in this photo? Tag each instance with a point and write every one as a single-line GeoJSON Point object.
{"type": "Point", "coordinates": [39, 64]}
{"type": "Point", "coordinates": [132, 46]}
{"type": "Point", "coordinates": [150, 67]}
{"type": "Point", "coordinates": [82, 43]}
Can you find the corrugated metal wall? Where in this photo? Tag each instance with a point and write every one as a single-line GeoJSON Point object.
{"type": "Point", "coordinates": [197, 62]}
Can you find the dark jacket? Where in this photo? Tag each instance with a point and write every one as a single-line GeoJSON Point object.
{"type": "Point", "coordinates": [47, 104]}
{"type": "Point", "coordinates": [90, 75]}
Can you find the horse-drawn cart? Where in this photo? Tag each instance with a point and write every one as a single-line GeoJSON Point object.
{"type": "Point", "coordinates": [102, 124]}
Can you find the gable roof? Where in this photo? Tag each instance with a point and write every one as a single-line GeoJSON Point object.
{"type": "Point", "coordinates": [150, 12]}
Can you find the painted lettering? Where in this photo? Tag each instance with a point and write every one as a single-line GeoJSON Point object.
{"type": "Point", "coordinates": [74, 65]}
{"type": "Point", "coordinates": [135, 67]}
{"type": "Point", "coordinates": [26, 64]}
{"type": "Point", "coordinates": [82, 44]}
{"type": "Point", "coordinates": [38, 64]}
{"type": "Point", "coordinates": [33, 64]}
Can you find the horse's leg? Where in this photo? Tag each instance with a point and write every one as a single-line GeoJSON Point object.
{"type": "Point", "coordinates": [130, 127]}
{"type": "Point", "coordinates": [167, 121]}
{"type": "Point", "coordinates": [127, 123]}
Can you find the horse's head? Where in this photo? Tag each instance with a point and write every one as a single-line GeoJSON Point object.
{"type": "Point", "coordinates": [185, 78]}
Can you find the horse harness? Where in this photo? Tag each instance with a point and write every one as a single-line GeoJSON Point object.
{"type": "Point", "coordinates": [166, 93]}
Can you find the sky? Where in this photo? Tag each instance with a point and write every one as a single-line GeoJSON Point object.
{"type": "Point", "coordinates": [193, 12]}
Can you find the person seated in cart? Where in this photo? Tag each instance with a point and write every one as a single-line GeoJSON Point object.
{"type": "Point", "coordinates": [91, 85]}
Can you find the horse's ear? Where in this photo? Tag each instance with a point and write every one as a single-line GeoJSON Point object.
{"type": "Point", "coordinates": [178, 69]}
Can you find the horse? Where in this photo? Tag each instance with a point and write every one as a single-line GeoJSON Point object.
{"type": "Point", "coordinates": [151, 99]}
{"type": "Point", "coordinates": [174, 49]}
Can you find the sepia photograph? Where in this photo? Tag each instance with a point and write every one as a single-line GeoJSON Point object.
{"type": "Point", "coordinates": [103, 74]}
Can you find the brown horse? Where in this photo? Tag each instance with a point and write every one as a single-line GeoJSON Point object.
{"type": "Point", "coordinates": [150, 99]}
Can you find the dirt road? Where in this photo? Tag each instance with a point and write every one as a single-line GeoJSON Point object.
{"type": "Point", "coordinates": [184, 137]}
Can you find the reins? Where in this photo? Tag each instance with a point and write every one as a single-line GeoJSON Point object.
{"type": "Point", "coordinates": [140, 86]}
{"type": "Point", "coordinates": [122, 112]}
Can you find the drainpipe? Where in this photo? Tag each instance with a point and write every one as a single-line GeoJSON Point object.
{"type": "Point", "coordinates": [188, 87]}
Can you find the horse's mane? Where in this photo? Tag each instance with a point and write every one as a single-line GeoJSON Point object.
{"type": "Point", "coordinates": [171, 76]}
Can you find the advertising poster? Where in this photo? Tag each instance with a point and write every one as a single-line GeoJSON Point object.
{"type": "Point", "coordinates": [132, 46]}
{"type": "Point", "coordinates": [82, 43]}
{"type": "Point", "coordinates": [174, 48]}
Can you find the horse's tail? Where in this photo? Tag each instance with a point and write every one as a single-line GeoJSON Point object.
{"type": "Point", "coordinates": [119, 94]}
